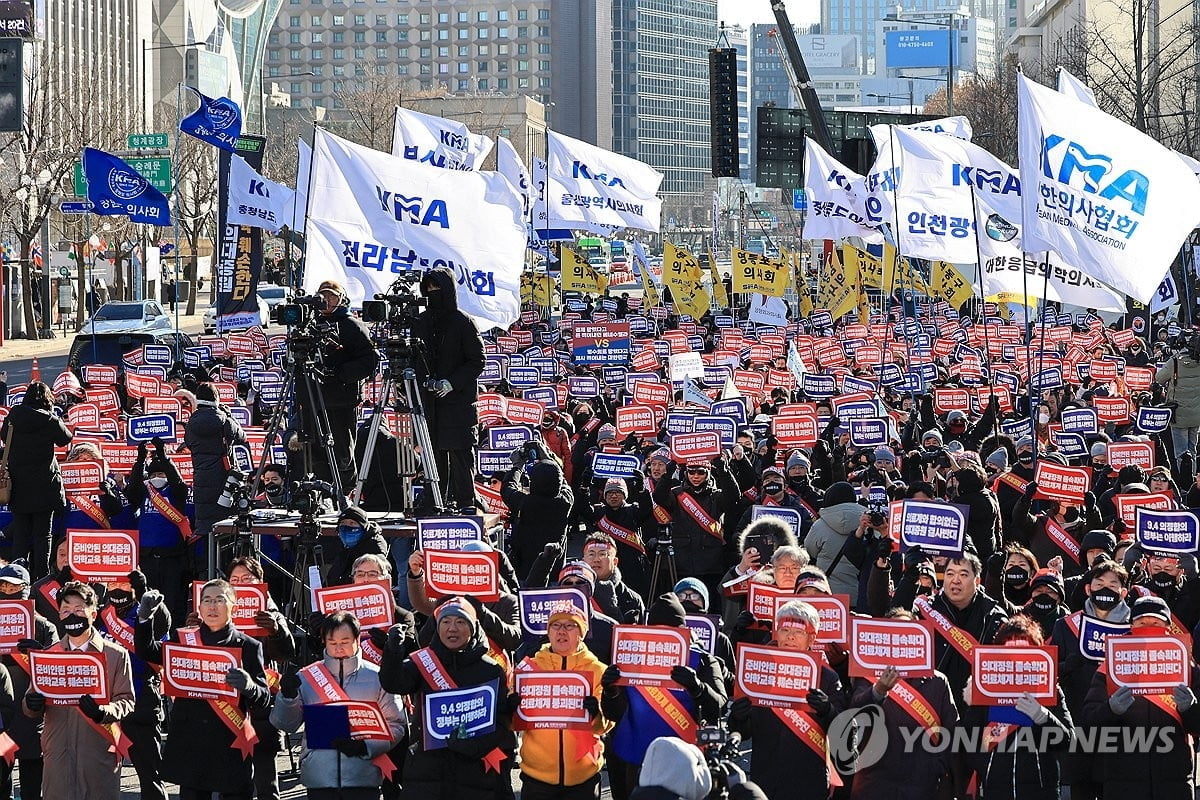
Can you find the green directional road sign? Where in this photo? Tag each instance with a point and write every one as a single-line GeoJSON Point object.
{"type": "Point", "coordinates": [148, 141]}
{"type": "Point", "coordinates": [156, 169]}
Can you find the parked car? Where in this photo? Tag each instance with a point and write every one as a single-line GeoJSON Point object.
{"type": "Point", "coordinates": [264, 316]}
{"type": "Point", "coordinates": [600, 264]}
{"type": "Point", "coordinates": [274, 295]}
{"type": "Point", "coordinates": [109, 348]}
{"type": "Point", "coordinates": [128, 315]}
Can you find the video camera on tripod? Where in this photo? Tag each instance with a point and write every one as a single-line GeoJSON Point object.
{"type": "Point", "coordinates": [308, 333]}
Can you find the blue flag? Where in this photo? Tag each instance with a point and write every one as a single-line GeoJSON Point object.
{"type": "Point", "coordinates": [117, 189]}
{"type": "Point", "coordinates": [218, 122]}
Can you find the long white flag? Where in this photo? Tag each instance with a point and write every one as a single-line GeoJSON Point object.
{"type": "Point", "coordinates": [256, 201]}
{"type": "Point", "coordinates": [373, 216]}
{"type": "Point", "coordinates": [437, 141]}
{"type": "Point", "coordinates": [1100, 193]}
{"type": "Point", "coordinates": [884, 173]}
{"type": "Point", "coordinates": [586, 185]}
{"type": "Point", "coordinates": [1071, 86]}
{"type": "Point", "coordinates": [510, 165]}
{"type": "Point", "coordinates": [837, 199]}
{"type": "Point", "coordinates": [299, 209]}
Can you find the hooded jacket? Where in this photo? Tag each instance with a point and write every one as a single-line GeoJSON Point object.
{"type": "Point", "coordinates": [329, 769]}
{"type": "Point", "coordinates": [559, 757]}
{"type": "Point", "coordinates": [454, 352]}
{"type": "Point", "coordinates": [697, 551]}
{"type": "Point", "coordinates": [348, 364]}
{"type": "Point", "coordinates": [539, 513]}
{"type": "Point", "coordinates": [826, 539]}
{"type": "Point", "coordinates": [983, 521]}
{"type": "Point", "coordinates": [781, 533]}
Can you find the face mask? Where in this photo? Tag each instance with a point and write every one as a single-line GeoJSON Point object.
{"type": "Point", "coordinates": [120, 598]}
{"type": "Point", "coordinates": [273, 489]}
{"type": "Point", "coordinates": [1096, 465]}
{"type": "Point", "coordinates": [75, 624]}
{"type": "Point", "coordinates": [1043, 419]}
{"type": "Point", "coordinates": [1072, 514]}
{"type": "Point", "coordinates": [158, 483]}
{"type": "Point", "coordinates": [350, 535]}
{"type": "Point", "coordinates": [1025, 458]}
{"type": "Point", "coordinates": [1162, 580]}
{"type": "Point", "coordinates": [772, 488]}
{"type": "Point", "coordinates": [1105, 599]}
{"type": "Point", "coordinates": [1044, 602]}
{"type": "Point", "coordinates": [1016, 576]}
{"type": "Point", "coordinates": [691, 607]}
{"type": "Point", "coordinates": [580, 420]}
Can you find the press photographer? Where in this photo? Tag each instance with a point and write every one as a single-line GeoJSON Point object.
{"type": "Point", "coordinates": [449, 377]}
{"type": "Point", "coordinates": [209, 434]}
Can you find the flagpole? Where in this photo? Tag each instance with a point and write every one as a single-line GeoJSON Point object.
{"type": "Point", "coordinates": [987, 344]}
{"type": "Point", "coordinates": [895, 266]}
{"type": "Point", "coordinates": [175, 216]}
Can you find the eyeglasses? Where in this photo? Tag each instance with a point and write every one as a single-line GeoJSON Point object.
{"type": "Point", "coordinates": [570, 583]}
{"type": "Point", "coordinates": [697, 471]}
{"type": "Point", "coordinates": [373, 575]}
{"type": "Point", "coordinates": [214, 601]}
{"type": "Point", "coordinates": [564, 626]}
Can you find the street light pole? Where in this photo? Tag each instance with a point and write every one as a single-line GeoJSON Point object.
{"type": "Point", "coordinates": [145, 96]}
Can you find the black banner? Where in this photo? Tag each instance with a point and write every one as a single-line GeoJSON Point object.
{"type": "Point", "coordinates": [239, 257]}
{"type": "Point", "coordinates": [16, 19]}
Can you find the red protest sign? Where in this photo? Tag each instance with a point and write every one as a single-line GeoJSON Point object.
{"type": "Point", "coordinates": [1147, 664]}
{"type": "Point", "coordinates": [764, 599]}
{"type": "Point", "coordinates": [120, 456]}
{"type": "Point", "coordinates": [451, 573]}
{"type": "Point", "coordinates": [1121, 454]}
{"type": "Point", "coordinates": [371, 603]}
{"type": "Point", "coordinates": [635, 419]}
{"type": "Point", "coordinates": [829, 352]}
{"type": "Point", "coordinates": [551, 700]}
{"type": "Point", "coordinates": [645, 360]}
{"type": "Point", "coordinates": [1139, 379]}
{"type": "Point", "coordinates": [251, 599]}
{"type": "Point", "coordinates": [774, 677]}
{"type": "Point", "coordinates": [83, 415]}
{"type": "Point", "coordinates": [1128, 504]}
{"type": "Point", "coordinates": [1111, 409]}
{"type": "Point", "coordinates": [1056, 482]}
{"type": "Point", "coordinates": [366, 720]}
{"type": "Point", "coordinates": [834, 611]}
{"type": "Point", "coordinates": [163, 405]}
{"type": "Point", "coordinates": [647, 653]}
{"type": "Point", "coordinates": [16, 623]}
{"type": "Point", "coordinates": [906, 645]}
{"type": "Point", "coordinates": [651, 393]}
{"type": "Point", "coordinates": [795, 430]}
{"type": "Point", "coordinates": [524, 412]}
{"type": "Point", "coordinates": [1102, 370]}
{"type": "Point", "coordinates": [701, 446]}
{"type": "Point", "coordinates": [102, 555]}
{"type": "Point", "coordinates": [946, 400]}
{"type": "Point", "coordinates": [142, 385]}
{"type": "Point", "coordinates": [99, 375]}
{"type": "Point", "coordinates": [1001, 675]}
{"type": "Point", "coordinates": [81, 477]}
{"type": "Point", "coordinates": [241, 345]}
{"type": "Point", "coordinates": [226, 392]}
{"type": "Point", "coordinates": [198, 672]}
{"type": "Point", "coordinates": [747, 382]}
{"type": "Point", "coordinates": [105, 399]}
{"type": "Point", "coordinates": [62, 677]}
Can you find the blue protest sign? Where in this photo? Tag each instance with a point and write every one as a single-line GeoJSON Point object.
{"type": "Point", "coordinates": [147, 426]}
{"type": "Point", "coordinates": [717, 374]}
{"type": "Point", "coordinates": [258, 377]}
{"type": "Point", "coordinates": [662, 348]}
{"type": "Point", "coordinates": [1092, 634]}
{"type": "Point", "coordinates": [860, 409]}
{"type": "Point", "coordinates": [158, 354]}
{"type": "Point", "coordinates": [490, 462]}
{"type": "Point", "coordinates": [821, 319]}
{"type": "Point", "coordinates": [583, 386]}
{"type": "Point", "coordinates": [1047, 379]}
{"type": "Point", "coordinates": [601, 343]}
{"type": "Point", "coordinates": [819, 386]}
{"type": "Point", "coordinates": [869, 432]}
{"type": "Point", "coordinates": [271, 392]}
{"type": "Point", "coordinates": [536, 605]}
{"type": "Point", "coordinates": [448, 533]}
{"type": "Point", "coordinates": [735, 409]}
{"type": "Point", "coordinates": [696, 342]}
{"type": "Point", "coordinates": [1167, 531]}
{"type": "Point", "coordinates": [241, 414]}
{"type": "Point", "coordinates": [614, 376]}
{"type": "Point", "coordinates": [1079, 420]}
{"type": "Point", "coordinates": [853, 385]}
{"type": "Point", "coordinates": [789, 516]}
{"type": "Point", "coordinates": [890, 374]}
{"type": "Point", "coordinates": [704, 628]}
{"type": "Point", "coordinates": [932, 526]}
{"type": "Point", "coordinates": [524, 377]}
{"type": "Point", "coordinates": [153, 370]}
{"type": "Point", "coordinates": [723, 321]}
{"type": "Point", "coordinates": [546, 395]}
{"type": "Point", "coordinates": [547, 368]}
{"type": "Point", "coordinates": [1152, 420]}
{"type": "Point", "coordinates": [239, 459]}
{"type": "Point", "coordinates": [639, 326]}
{"type": "Point", "coordinates": [1071, 445]}
{"type": "Point", "coordinates": [722, 425]}
{"type": "Point", "coordinates": [509, 437]}
{"type": "Point", "coordinates": [1017, 428]}
{"type": "Point", "coordinates": [466, 712]}
{"type": "Point", "coordinates": [680, 422]}
{"type": "Point", "coordinates": [607, 465]}
{"type": "Point", "coordinates": [493, 371]}
{"type": "Point", "coordinates": [195, 356]}
{"type": "Point", "coordinates": [927, 371]}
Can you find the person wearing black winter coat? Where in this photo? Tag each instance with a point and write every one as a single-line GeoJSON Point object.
{"type": "Point", "coordinates": [539, 512]}
{"type": "Point", "coordinates": [449, 378]}
{"type": "Point", "coordinates": [983, 519]}
{"type": "Point", "coordinates": [457, 771]}
{"type": "Point", "coordinates": [37, 488]}
{"type": "Point", "coordinates": [626, 508]}
{"type": "Point", "coordinates": [209, 434]}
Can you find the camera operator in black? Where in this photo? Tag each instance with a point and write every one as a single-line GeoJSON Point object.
{"type": "Point", "coordinates": [346, 364]}
{"type": "Point", "coordinates": [209, 434]}
{"type": "Point", "coordinates": [450, 384]}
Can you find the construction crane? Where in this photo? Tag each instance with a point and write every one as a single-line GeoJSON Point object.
{"type": "Point", "coordinates": [801, 81]}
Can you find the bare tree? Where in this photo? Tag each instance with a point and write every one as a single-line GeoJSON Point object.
{"type": "Point", "coordinates": [368, 99]}
{"type": "Point", "coordinates": [990, 103]}
{"type": "Point", "coordinates": [195, 205]}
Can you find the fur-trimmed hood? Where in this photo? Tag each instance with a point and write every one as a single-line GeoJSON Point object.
{"type": "Point", "coordinates": [780, 531]}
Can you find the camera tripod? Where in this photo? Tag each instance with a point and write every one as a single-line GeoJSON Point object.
{"type": "Point", "coordinates": [667, 543]}
{"type": "Point", "coordinates": [408, 459]}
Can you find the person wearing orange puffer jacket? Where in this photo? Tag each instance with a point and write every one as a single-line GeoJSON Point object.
{"type": "Point", "coordinates": [558, 764]}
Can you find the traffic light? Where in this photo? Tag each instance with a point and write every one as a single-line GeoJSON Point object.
{"type": "Point", "coordinates": [12, 85]}
{"type": "Point", "coordinates": [723, 112]}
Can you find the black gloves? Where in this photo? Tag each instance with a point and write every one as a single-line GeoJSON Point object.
{"type": "Point", "coordinates": [884, 548]}
{"type": "Point", "coordinates": [25, 645]}
{"type": "Point", "coordinates": [687, 678]}
{"type": "Point", "coordinates": [137, 582]}
{"type": "Point", "coordinates": [378, 637]}
{"type": "Point", "coordinates": [90, 708]}
{"type": "Point", "coordinates": [289, 684]}
{"type": "Point", "coordinates": [591, 704]}
{"type": "Point", "coordinates": [611, 675]}
{"type": "Point", "coordinates": [1031, 489]}
{"type": "Point", "coordinates": [351, 748]}
{"type": "Point", "coordinates": [819, 702]}
{"type": "Point", "coordinates": [509, 704]}
{"type": "Point", "coordinates": [35, 702]}
{"type": "Point", "coordinates": [740, 709]}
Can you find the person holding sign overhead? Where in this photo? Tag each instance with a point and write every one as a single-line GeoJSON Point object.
{"type": "Point", "coordinates": [210, 740]}
{"type": "Point", "coordinates": [348, 766]}
{"type": "Point", "coordinates": [164, 530]}
{"type": "Point", "coordinates": [77, 738]}
{"type": "Point", "coordinates": [461, 756]}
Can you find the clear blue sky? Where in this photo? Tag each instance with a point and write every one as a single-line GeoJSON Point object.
{"type": "Point", "coordinates": [747, 12]}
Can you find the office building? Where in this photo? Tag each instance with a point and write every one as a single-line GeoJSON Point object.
{"type": "Point", "coordinates": [660, 87]}
{"type": "Point", "coordinates": [918, 45]}
{"type": "Point", "coordinates": [858, 18]}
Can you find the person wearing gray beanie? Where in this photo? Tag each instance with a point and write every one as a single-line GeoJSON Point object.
{"type": "Point", "coordinates": [675, 767]}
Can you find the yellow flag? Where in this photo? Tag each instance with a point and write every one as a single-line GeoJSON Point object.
{"type": "Point", "coordinates": [543, 291]}
{"type": "Point", "coordinates": [868, 267]}
{"type": "Point", "coordinates": [718, 285]}
{"type": "Point", "coordinates": [838, 288]}
{"type": "Point", "coordinates": [681, 274]}
{"type": "Point", "coordinates": [755, 273]}
{"type": "Point", "coordinates": [950, 284]}
{"type": "Point", "coordinates": [578, 275]}
{"type": "Point", "coordinates": [650, 297]}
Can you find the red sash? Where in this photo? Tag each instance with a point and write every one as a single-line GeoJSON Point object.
{"type": "Point", "coordinates": [1064, 540]}
{"type": "Point", "coordinates": [323, 683]}
{"type": "Point", "coordinates": [963, 642]}
{"type": "Point", "coordinates": [118, 629]}
{"type": "Point", "coordinates": [621, 534]}
{"type": "Point", "coordinates": [1166, 702]}
{"type": "Point", "coordinates": [701, 517]}
{"type": "Point", "coordinates": [238, 723]}
{"type": "Point", "coordinates": [1012, 481]}
{"type": "Point", "coordinates": [90, 507]}
{"type": "Point", "coordinates": [273, 677]}
{"type": "Point", "coordinates": [431, 669]}
{"type": "Point", "coordinates": [669, 709]}
{"type": "Point", "coordinates": [661, 515]}
{"type": "Point", "coordinates": [118, 742]}
{"type": "Point", "coordinates": [164, 507]}
{"type": "Point", "coordinates": [996, 732]}
{"type": "Point", "coordinates": [905, 695]}
{"type": "Point", "coordinates": [1072, 621]}
{"type": "Point", "coordinates": [806, 729]}
{"type": "Point", "coordinates": [370, 652]}
{"type": "Point", "coordinates": [49, 592]}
